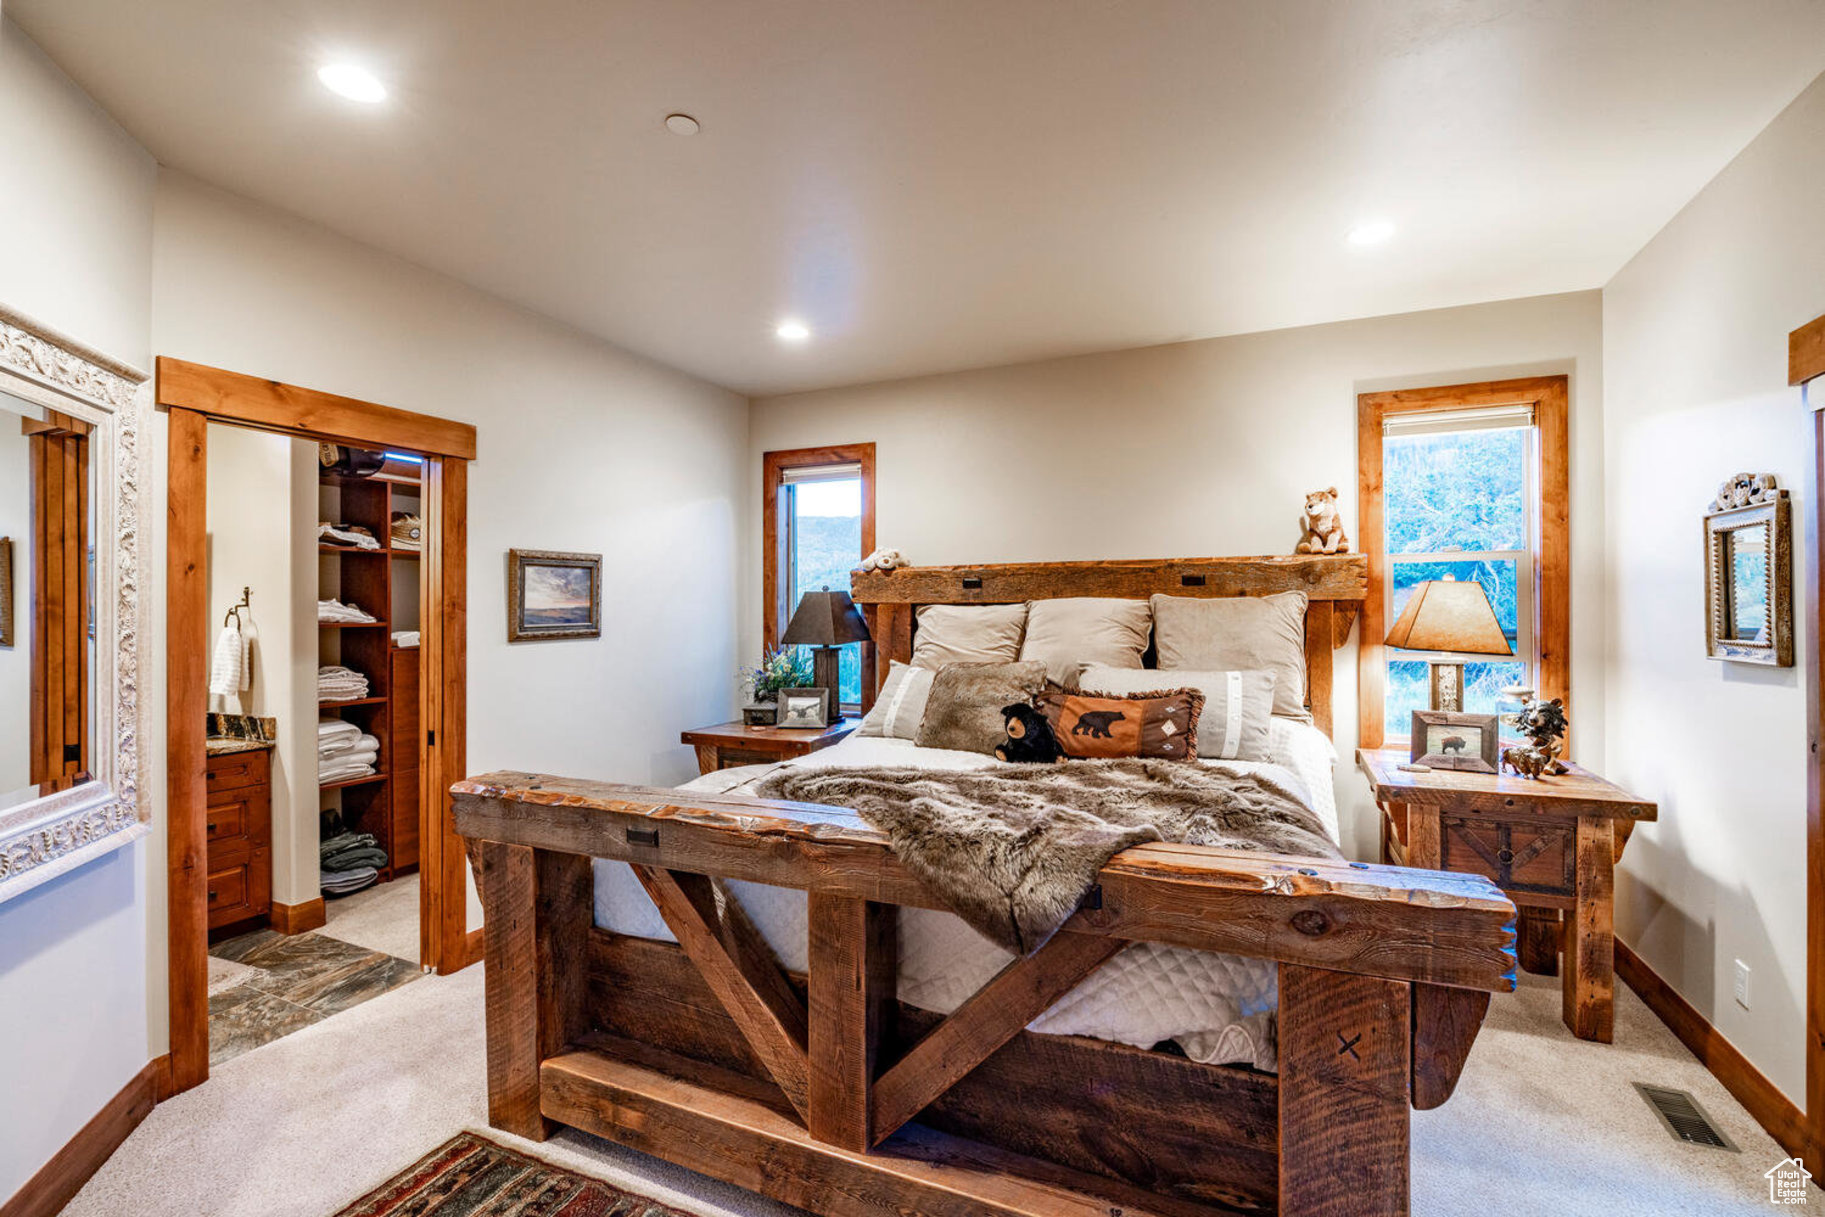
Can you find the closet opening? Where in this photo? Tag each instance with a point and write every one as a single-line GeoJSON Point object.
{"type": "Point", "coordinates": [315, 697]}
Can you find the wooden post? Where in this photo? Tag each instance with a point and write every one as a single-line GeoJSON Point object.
{"type": "Point", "coordinates": [1537, 940]}
{"type": "Point", "coordinates": [1345, 1063]}
{"type": "Point", "coordinates": [536, 910]}
{"type": "Point", "coordinates": [854, 964]}
{"type": "Point", "coordinates": [1590, 939]}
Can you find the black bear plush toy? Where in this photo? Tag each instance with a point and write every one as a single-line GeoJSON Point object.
{"type": "Point", "coordinates": [1030, 736]}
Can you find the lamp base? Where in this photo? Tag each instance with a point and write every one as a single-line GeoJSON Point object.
{"type": "Point", "coordinates": [1447, 686]}
{"type": "Point", "coordinates": [825, 674]}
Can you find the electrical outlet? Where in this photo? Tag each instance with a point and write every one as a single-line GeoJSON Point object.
{"type": "Point", "coordinates": [1742, 984]}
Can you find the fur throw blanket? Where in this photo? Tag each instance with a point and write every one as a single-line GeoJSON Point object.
{"type": "Point", "coordinates": [1013, 850]}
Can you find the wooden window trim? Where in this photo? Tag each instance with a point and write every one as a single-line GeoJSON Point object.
{"type": "Point", "coordinates": [773, 468]}
{"type": "Point", "coordinates": [1550, 397]}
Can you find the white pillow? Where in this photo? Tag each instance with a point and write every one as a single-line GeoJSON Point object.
{"type": "Point", "coordinates": [900, 705]}
{"type": "Point", "coordinates": [1238, 706]}
{"type": "Point", "coordinates": [1067, 633]}
{"type": "Point", "coordinates": [1237, 633]}
{"type": "Point", "coordinates": [968, 633]}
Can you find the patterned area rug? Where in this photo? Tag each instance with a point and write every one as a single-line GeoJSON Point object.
{"type": "Point", "coordinates": [471, 1176]}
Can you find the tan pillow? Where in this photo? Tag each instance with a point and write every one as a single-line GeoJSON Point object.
{"type": "Point", "coordinates": [1161, 725]}
{"type": "Point", "coordinates": [1237, 633]}
{"type": "Point", "coordinates": [899, 707]}
{"type": "Point", "coordinates": [963, 711]}
{"type": "Point", "coordinates": [1238, 706]}
{"type": "Point", "coordinates": [1066, 634]}
{"type": "Point", "coordinates": [968, 633]}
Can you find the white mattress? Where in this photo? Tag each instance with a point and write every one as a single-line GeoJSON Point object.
{"type": "Point", "coordinates": [1219, 1008]}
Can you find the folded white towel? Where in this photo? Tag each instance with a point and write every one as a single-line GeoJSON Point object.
{"type": "Point", "coordinates": [336, 612]}
{"type": "Point", "coordinates": [228, 667]}
{"type": "Point", "coordinates": [331, 728]}
{"type": "Point", "coordinates": [405, 638]}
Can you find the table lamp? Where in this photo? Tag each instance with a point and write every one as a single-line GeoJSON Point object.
{"type": "Point", "coordinates": [1445, 615]}
{"type": "Point", "coordinates": [825, 620]}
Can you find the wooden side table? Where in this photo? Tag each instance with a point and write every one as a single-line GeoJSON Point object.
{"type": "Point", "coordinates": [727, 745]}
{"type": "Point", "coordinates": [1550, 845]}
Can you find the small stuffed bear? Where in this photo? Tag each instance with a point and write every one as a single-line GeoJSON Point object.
{"type": "Point", "coordinates": [1323, 527]}
{"type": "Point", "coordinates": [1030, 736]}
{"type": "Point", "coordinates": [883, 560]}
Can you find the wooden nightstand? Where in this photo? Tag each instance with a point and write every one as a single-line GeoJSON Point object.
{"type": "Point", "coordinates": [729, 744]}
{"type": "Point", "coordinates": [1550, 845]}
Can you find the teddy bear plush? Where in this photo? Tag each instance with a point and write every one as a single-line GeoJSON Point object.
{"type": "Point", "coordinates": [1323, 526]}
{"type": "Point", "coordinates": [883, 560]}
{"type": "Point", "coordinates": [1030, 737]}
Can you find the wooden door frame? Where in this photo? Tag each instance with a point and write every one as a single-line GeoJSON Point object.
{"type": "Point", "coordinates": [195, 395]}
{"type": "Point", "coordinates": [1550, 397]}
{"type": "Point", "coordinates": [1805, 363]}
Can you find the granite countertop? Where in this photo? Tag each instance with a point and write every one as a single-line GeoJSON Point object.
{"type": "Point", "coordinates": [228, 733]}
{"type": "Point", "coordinates": [224, 745]}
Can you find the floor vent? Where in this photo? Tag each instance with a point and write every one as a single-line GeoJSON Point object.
{"type": "Point", "coordinates": [1684, 1118]}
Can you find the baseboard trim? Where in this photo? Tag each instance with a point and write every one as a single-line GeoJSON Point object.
{"type": "Point", "coordinates": [298, 918]}
{"type": "Point", "coordinates": [474, 947]}
{"type": "Point", "coordinates": [58, 1181]}
{"type": "Point", "coordinates": [1774, 1111]}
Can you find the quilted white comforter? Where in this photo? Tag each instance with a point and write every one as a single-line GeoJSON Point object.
{"type": "Point", "coordinates": [1219, 1008]}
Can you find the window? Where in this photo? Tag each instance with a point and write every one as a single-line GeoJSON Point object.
{"type": "Point", "coordinates": [818, 520]}
{"type": "Point", "coordinates": [1457, 483]}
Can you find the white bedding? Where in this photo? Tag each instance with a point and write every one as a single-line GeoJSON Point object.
{"type": "Point", "coordinates": [1218, 1007]}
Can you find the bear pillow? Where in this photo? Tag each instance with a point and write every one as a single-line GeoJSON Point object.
{"type": "Point", "coordinates": [1089, 726]}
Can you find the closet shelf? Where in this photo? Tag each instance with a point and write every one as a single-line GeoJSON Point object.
{"type": "Point", "coordinates": [351, 625]}
{"type": "Point", "coordinates": [353, 701]}
{"type": "Point", "coordinates": [360, 781]}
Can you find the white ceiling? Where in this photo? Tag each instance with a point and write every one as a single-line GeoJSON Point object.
{"type": "Point", "coordinates": [934, 184]}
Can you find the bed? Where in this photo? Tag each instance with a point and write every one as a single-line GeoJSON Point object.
{"type": "Point", "coordinates": [759, 991]}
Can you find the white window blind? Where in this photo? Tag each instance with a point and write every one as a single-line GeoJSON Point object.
{"type": "Point", "coordinates": [1487, 418]}
{"type": "Point", "coordinates": [793, 475]}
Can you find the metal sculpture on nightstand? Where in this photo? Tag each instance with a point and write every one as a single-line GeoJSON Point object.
{"type": "Point", "coordinates": [1543, 723]}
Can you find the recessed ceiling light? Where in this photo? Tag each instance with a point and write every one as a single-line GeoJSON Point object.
{"type": "Point", "coordinates": [793, 331]}
{"type": "Point", "coordinates": [356, 84]}
{"type": "Point", "coordinates": [682, 124]}
{"type": "Point", "coordinates": [1371, 232]}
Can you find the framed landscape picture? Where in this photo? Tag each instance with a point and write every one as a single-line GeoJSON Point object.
{"type": "Point", "coordinates": [553, 595]}
{"type": "Point", "coordinates": [1466, 742]}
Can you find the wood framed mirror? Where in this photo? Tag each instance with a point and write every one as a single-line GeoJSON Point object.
{"type": "Point", "coordinates": [71, 766]}
{"type": "Point", "coordinates": [1749, 582]}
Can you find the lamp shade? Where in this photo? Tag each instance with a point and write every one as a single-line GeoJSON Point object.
{"type": "Point", "coordinates": [1445, 615]}
{"type": "Point", "coordinates": [825, 619]}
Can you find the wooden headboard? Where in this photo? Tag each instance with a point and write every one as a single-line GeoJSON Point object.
{"type": "Point", "coordinates": [1335, 585]}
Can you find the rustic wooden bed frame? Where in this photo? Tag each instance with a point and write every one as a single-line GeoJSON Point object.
{"type": "Point", "coordinates": [823, 1091]}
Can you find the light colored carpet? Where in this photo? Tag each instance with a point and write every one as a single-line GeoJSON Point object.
{"type": "Point", "coordinates": [381, 918]}
{"type": "Point", "coordinates": [1541, 1124]}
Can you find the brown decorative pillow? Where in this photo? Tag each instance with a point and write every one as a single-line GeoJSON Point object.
{"type": "Point", "coordinates": [963, 709]}
{"type": "Point", "coordinates": [1163, 725]}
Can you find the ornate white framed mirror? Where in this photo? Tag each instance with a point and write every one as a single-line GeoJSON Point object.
{"type": "Point", "coordinates": [1749, 575]}
{"type": "Point", "coordinates": [72, 510]}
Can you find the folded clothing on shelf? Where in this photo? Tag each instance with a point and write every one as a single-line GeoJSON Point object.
{"type": "Point", "coordinates": [351, 536]}
{"type": "Point", "coordinates": [337, 683]}
{"type": "Point", "coordinates": [350, 851]}
{"type": "Point", "coordinates": [341, 883]}
{"type": "Point", "coordinates": [408, 531]}
{"type": "Point", "coordinates": [336, 612]}
{"type": "Point", "coordinates": [405, 639]}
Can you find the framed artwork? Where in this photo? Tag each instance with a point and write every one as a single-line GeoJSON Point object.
{"type": "Point", "coordinates": [809, 708]}
{"type": "Point", "coordinates": [553, 595]}
{"type": "Point", "coordinates": [6, 592]}
{"type": "Point", "coordinates": [1468, 743]}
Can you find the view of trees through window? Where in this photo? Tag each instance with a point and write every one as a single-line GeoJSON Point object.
{"type": "Point", "coordinates": [1455, 504]}
{"type": "Point", "coordinates": [826, 522]}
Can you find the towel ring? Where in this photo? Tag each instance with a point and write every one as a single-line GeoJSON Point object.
{"type": "Point", "coordinates": [235, 612]}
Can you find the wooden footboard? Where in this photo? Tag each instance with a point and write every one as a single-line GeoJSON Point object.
{"type": "Point", "coordinates": [825, 1092]}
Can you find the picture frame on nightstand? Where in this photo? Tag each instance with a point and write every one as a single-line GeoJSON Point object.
{"type": "Point", "coordinates": [1468, 743]}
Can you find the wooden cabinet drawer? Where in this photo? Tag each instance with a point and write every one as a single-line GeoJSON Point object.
{"type": "Point", "coordinates": [225, 820]}
{"type": "Point", "coordinates": [240, 887]}
{"type": "Point", "coordinates": [1525, 856]}
{"type": "Point", "coordinates": [237, 770]}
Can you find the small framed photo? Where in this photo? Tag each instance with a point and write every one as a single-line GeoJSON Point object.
{"type": "Point", "coordinates": [803, 708]}
{"type": "Point", "coordinates": [553, 595]}
{"type": "Point", "coordinates": [1468, 743]}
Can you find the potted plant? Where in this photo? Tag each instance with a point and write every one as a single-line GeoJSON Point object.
{"type": "Point", "coordinates": [782, 668]}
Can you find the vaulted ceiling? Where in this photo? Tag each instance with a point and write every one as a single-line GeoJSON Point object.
{"type": "Point", "coordinates": [937, 184]}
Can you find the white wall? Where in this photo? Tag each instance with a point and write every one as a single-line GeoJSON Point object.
{"type": "Point", "coordinates": [1190, 449]}
{"type": "Point", "coordinates": [16, 660]}
{"type": "Point", "coordinates": [75, 248]}
{"type": "Point", "coordinates": [1695, 366]}
{"type": "Point", "coordinates": [582, 446]}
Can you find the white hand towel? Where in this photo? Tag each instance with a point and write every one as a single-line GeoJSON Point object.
{"type": "Point", "coordinates": [228, 662]}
